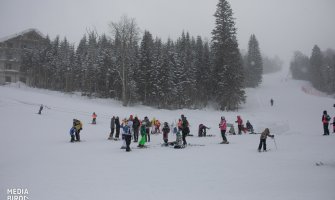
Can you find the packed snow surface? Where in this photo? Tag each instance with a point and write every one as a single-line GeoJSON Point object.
{"type": "Point", "coordinates": [35, 152]}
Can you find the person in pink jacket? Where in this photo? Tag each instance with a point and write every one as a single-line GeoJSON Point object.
{"type": "Point", "coordinates": [223, 128]}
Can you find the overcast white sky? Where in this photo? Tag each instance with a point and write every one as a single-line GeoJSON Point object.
{"type": "Point", "coordinates": [281, 26]}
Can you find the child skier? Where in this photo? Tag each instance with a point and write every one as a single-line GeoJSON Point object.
{"type": "Point", "coordinates": [78, 126]}
{"type": "Point", "coordinates": [262, 142]}
{"type": "Point", "coordinates": [223, 128]}
{"type": "Point", "coordinates": [141, 144]}
{"type": "Point", "coordinates": [94, 116]}
{"type": "Point", "coordinates": [250, 127]}
{"type": "Point", "coordinates": [126, 134]}
{"type": "Point", "coordinates": [179, 141]}
{"type": "Point", "coordinates": [72, 132]}
{"type": "Point", "coordinates": [166, 131]}
{"type": "Point", "coordinates": [231, 129]}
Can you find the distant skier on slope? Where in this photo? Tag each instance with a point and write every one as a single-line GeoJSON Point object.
{"type": "Point", "coordinates": [239, 122]}
{"type": "Point", "coordinates": [271, 102]}
{"type": "Point", "coordinates": [94, 118]}
{"type": "Point", "coordinates": [147, 128]}
{"type": "Point", "coordinates": [325, 122]}
{"type": "Point", "coordinates": [263, 137]}
{"type": "Point", "coordinates": [179, 141]}
{"type": "Point", "coordinates": [223, 128]}
{"type": "Point", "coordinates": [202, 130]}
{"type": "Point", "coordinates": [112, 126]}
{"type": "Point", "coordinates": [117, 127]}
{"type": "Point", "coordinates": [185, 129]}
{"type": "Point", "coordinates": [333, 125]}
{"type": "Point", "coordinates": [40, 110]}
{"type": "Point", "coordinates": [78, 126]}
{"type": "Point", "coordinates": [250, 128]}
{"type": "Point", "coordinates": [166, 131]}
{"type": "Point", "coordinates": [72, 132]}
{"type": "Point", "coordinates": [141, 144]}
{"type": "Point", "coordinates": [136, 127]}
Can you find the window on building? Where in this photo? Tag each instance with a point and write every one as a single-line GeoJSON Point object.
{"type": "Point", "coordinates": [10, 45]}
{"type": "Point", "coordinates": [23, 79]}
{"type": "Point", "coordinates": [8, 66]}
{"type": "Point", "coordinates": [8, 79]}
{"type": "Point", "coordinates": [9, 56]}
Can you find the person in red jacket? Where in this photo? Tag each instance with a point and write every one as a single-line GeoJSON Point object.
{"type": "Point", "coordinates": [325, 121]}
{"type": "Point", "coordinates": [94, 116]}
{"type": "Point", "coordinates": [223, 128]}
{"type": "Point", "coordinates": [239, 124]}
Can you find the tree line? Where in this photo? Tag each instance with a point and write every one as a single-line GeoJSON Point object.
{"type": "Point", "coordinates": [189, 72]}
{"type": "Point", "coordinates": [319, 68]}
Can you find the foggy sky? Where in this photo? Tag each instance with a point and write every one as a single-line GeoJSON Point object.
{"type": "Point", "coordinates": [281, 26]}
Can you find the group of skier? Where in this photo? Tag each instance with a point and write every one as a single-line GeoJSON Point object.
{"type": "Point", "coordinates": [133, 127]}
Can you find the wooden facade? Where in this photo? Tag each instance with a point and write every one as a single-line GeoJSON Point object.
{"type": "Point", "coordinates": [12, 48]}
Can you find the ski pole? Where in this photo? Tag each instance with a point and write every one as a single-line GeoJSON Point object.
{"type": "Point", "coordinates": [274, 140]}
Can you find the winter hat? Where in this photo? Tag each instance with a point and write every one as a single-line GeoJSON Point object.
{"type": "Point", "coordinates": [325, 112]}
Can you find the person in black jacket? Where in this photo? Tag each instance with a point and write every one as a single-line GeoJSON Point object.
{"type": "Point", "coordinates": [136, 127]}
{"type": "Point", "coordinates": [117, 126]}
{"type": "Point", "coordinates": [112, 128]}
{"type": "Point", "coordinates": [166, 131]}
{"type": "Point", "coordinates": [202, 130]}
{"type": "Point", "coordinates": [185, 129]}
{"type": "Point", "coordinates": [147, 128]}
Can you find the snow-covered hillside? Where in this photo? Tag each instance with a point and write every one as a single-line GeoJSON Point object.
{"type": "Point", "coordinates": [35, 152]}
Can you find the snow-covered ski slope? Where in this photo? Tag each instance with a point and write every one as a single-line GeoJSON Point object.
{"type": "Point", "coordinates": [35, 152]}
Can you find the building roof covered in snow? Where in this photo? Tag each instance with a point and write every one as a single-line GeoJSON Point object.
{"type": "Point", "coordinates": [4, 39]}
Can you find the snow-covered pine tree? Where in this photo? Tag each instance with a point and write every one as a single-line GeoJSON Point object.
{"type": "Point", "coordinates": [254, 64]}
{"type": "Point", "coordinates": [202, 72]}
{"type": "Point", "coordinates": [299, 66]}
{"type": "Point", "coordinates": [180, 78]}
{"type": "Point", "coordinates": [145, 67]}
{"type": "Point", "coordinates": [228, 72]}
{"type": "Point", "coordinates": [79, 67]}
{"type": "Point", "coordinates": [315, 67]}
{"type": "Point", "coordinates": [105, 65]}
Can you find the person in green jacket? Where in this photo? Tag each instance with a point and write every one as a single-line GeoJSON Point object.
{"type": "Point", "coordinates": [143, 135]}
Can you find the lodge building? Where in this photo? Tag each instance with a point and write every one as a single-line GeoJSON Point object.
{"type": "Point", "coordinates": [12, 48]}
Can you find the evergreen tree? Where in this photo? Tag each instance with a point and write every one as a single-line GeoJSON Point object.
{"type": "Point", "coordinates": [299, 66]}
{"type": "Point", "coordinates": [254, 64]}
{"type": "Point", "coordinates": [145, 69]}
{"type": "Point", "coordinates": [315, 68]}
{"type": "Point", "coordinates": [228, 84]}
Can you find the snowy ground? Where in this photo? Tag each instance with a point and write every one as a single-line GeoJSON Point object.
{"type": "Point", "coordinates": [35, 152]}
